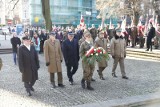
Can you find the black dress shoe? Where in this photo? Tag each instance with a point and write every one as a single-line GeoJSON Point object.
{"type": "Point", "coordinates": [83, 84]}
{"type": "Point", "coordinates": [28, 92]}
{"type": "Point", "coordinates": [61, 85]}
{"type": "Point", "coordinates": [125, 77]}
{"type": "Point", "coordinates": [102, 78]}
{"type": "Point", "coordinates": [114, 75]}
{"type": "Point", "coordinates": [93, 79]}
{"type": "Point", "coordinates": [32, 89]}
{"type": "Point", "coordinates": [71, 83]}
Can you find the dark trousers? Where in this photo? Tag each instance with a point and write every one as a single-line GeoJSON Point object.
{"type": "Point", "coordinates": [141, 42]}
{"type": "Point", "coordinates": [41, 45]}
{"type": "Point", "coordinates": [59, 77]}
{"type": "Point", "coordinates": [71, 70]}
{"type": "Point", "coordinates": [133, 41]}
{"type": "Point", "coordinates": [149, 43]}
{"type": "Point", "coordinates": [121, 63]}
{"type": "Point", "coordinates": [28, 85]}
{"type": "Point", "coordinates": [101, 69]}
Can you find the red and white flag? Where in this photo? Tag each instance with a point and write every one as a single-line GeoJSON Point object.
{"type": "Point", "coordinates": [110, 24]}
{"type": "Point", "coordinates": [151, 20]}
{"type": "Point", "coordinates": [123, 25]}
{"type": "Point", "coordinates": [156, 23]}
{"type": "Point", "coordinates": [132, 23]}
{"type": "Point", "coordinates": [139, 23]}
{"type": "Point", "coordinates": [82, 24]}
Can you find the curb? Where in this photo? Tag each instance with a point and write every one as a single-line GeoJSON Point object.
{"type": "Point", "coordinates": [134, 101]}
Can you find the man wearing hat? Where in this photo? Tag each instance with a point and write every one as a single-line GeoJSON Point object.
{"type": "Point", "coordinates": [101, 42]}
{"type": "Point", "coordinates": [118, 52]}
{"type": "Point", "coordinates": [71, 55]}
{"type": "Point", "coordinates": [88, 69]}
{"type": "Point", "coordinates": [53, 57]}
{"type": "Point", "coordinates": [28, 64]}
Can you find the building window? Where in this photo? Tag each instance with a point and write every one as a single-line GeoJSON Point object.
{"type": "Point", "coordinates": [57, 2]}
{"type": "Point", "coordinates": [64, 2]}
{"type": "Point", "coordinates": [38, 1]}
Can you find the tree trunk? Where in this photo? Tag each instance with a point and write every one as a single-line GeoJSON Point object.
{"type": "Point", "coordinates": [46, 14]}
{"type": "Point", "coordinates": [135, 18]}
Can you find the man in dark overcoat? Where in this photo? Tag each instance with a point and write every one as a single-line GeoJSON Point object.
{"type": "Point", "coordinates": [16, 42]}
{"type": "Point", "coordinates": [28, 64]}
{"type": "Point", "coordinates": [150, 36]}
{"type": "Point", "coordinates": [71, 55]}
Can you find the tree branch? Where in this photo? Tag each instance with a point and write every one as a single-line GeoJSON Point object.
{"type": "Point", "coordinates": [15, 5]}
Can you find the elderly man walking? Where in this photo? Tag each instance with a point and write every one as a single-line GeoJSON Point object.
{"type": "Point", "coordinates": [53, 58]}
{"type": "Point", "coordinates": [28, 64]}
{"type": "Point", "coordinates": [118, 52]}
{"type": "Point", "coordinates": [71, 55]}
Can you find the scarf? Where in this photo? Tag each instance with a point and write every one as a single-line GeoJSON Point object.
{"type": "Point", "coordinates": [36, 40]}
{"type": "Point", "coordinates": [118, 37]}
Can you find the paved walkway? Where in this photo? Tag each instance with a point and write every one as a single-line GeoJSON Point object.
{"type": "Point", "coordinates": [143, 79]}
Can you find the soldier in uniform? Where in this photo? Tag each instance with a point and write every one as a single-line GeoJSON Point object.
{"type": "Point", "coordinates": [101, 42]}
{"type": "Point", "coordinates": [118, 52]}
{"type": "Point", "coordinates": [87, 68]}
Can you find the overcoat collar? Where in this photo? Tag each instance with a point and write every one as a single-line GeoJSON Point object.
{"type": "Point", "coordinates": [52, 43]}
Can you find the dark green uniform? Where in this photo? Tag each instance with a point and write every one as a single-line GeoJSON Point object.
{"type": "Point", "coordinates": [88, 69]}
{"type": "Point", "coordinates": [103, 63]}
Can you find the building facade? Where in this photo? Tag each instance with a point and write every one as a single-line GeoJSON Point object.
{"type": "Point", "coordinates": [65, 12]}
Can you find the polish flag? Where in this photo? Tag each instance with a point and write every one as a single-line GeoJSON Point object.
{"type": "Point", "coordinates": [110, 24]}
{"type": "Point", "coordinates": [82, 22]}
{"type": "Point", "coordinates": [123, 25]}
{"type": "Point", "coordinates": [132, 23]}
{"type": "Point", "coordinates": [156, 23]}
{"type": "Point", "coordinates": [151, 21]}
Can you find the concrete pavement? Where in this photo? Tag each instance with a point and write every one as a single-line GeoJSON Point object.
{"type": "Point", "coordinates": [143, 79]}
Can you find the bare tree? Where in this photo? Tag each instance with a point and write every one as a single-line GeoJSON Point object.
{"type": "Point", "coordinates": [107, 9]}
{"type": "Point", "coordinates": [15, 3]}
{"type": "Point", "coordinates": [133, 8]}
{"type": "Point", "coordinates": [156, 8]}
{"type": "Point", "coordinates": [46, 14]}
